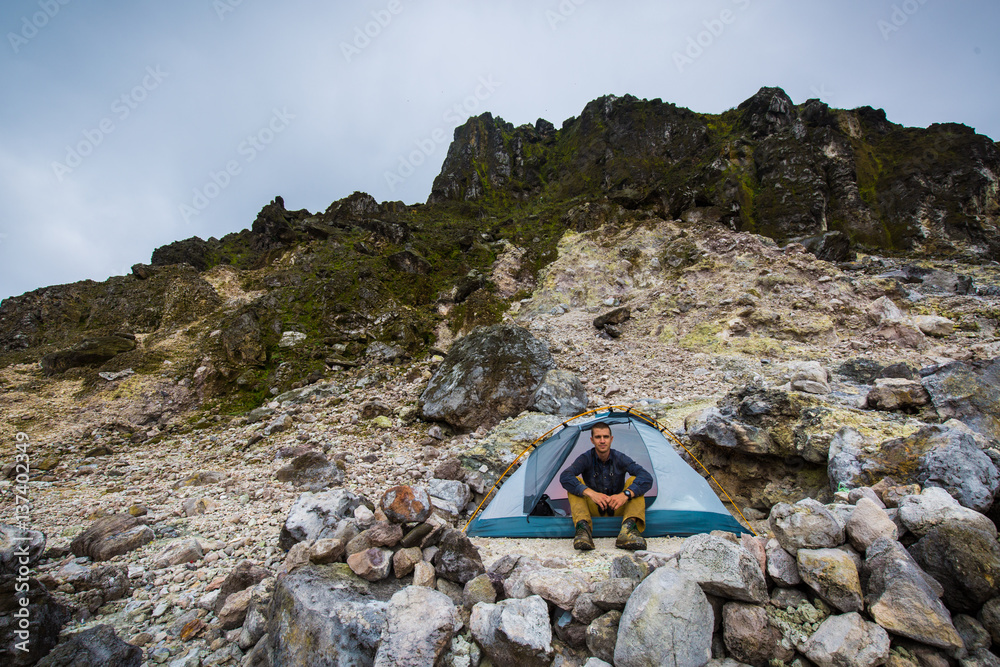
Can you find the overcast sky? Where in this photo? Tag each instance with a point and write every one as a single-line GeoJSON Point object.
{"type": "Point", "coordinates": [129, 124]}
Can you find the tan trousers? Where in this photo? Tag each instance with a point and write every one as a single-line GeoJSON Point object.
{"type": "Point", "coordinates": [585, 508]}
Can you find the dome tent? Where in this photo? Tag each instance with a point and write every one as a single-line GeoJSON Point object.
{"type": "Point", "coordinates": [531, 502]}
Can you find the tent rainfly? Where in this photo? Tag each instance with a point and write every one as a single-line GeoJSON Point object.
{"type": "Point", "coordinates": [531, 502]}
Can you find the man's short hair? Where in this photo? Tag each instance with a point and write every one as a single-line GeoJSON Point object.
{"type": "Point", "coordinates": [600, 425]}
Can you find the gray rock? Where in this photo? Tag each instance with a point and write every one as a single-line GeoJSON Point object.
{"type": "Point", "coordinates": [781, 565]}
{"type": "Point", "coordinates": [869, 522]}
{"type": "Point", "coordinates": [315, 516]}
{"type": "Point", "coordinates": [255, 622]}
{"type": "Point", "coordinates": [602, 634]}
{"type": "Point", "coordinates": [901, 599]}
{"type": "Point", "coordinates": [854, 495]}
{"type": "Point", "coordinates": [965, 560]}
{"type": "Point", "coordinates": [324, 610]}
{"type": "Point", "coordinates": [612, 594]}
{"type": "Point", "coordinates": [847, 640]}
{"type": "Point", "coordinates": [973, 634]}
{"type": "Point", "coordinates": [711, 427]}
{"type": "Point", "coordinates": [234, 611]}
{"type": "Point", "coordinates": [99, 645]}
{"type": "Point", "coordinates": [559, 393]}
{"type": "Point", "coordinates": [584, 609]}
{"type": "Point", "coordinates": [783, 598]}
{"type": "Point", "coordinates": [481, 589]}
{"type": "Point", "coordinates": [311, 471]}
{"type": "Point", "coordinates": [834, 575]}
{"type": "Point", "coordinates": [112, 536]}
{"type": "Point", "coordinates": [560, 587]}
{"type": "Point", "coordinates": [628, 567]}
{"type": "Point", "coordinates": [749, 636]}
{"type": "Point", "coordinates": [980, 658]}
{"type": "Point", "coordinates": [457, 559]}
{"type": "Point", "coordinates": [935, 455]}
{"type": "Point", "coordinates": [989, 616]}
{"type": "Point", "coordinates": [454, 493]}
{"type": "Point", "coordinates": [969, 392]}
{"type": "Point", "coordinates": [420, 623]}
{"type": "Point", "coordinates": [897, 394]}
{"type": "Point", "coordinates": [667, 621]}
{"type": "Point", "coordinates": [180, 551]}
{"type": "Point", "coordinates": [810, 377]}
{"type": "Point", "coordinates": [935, 507]}
{"type": "Point", "coordinates": [805, 525]}
{"type": "Point", "coordinates": [486, 376]}
{"type": "Point", "coordinates": [104, 583]}
{"type": "Point", "coordinates": [722, 568]}
{"type": "Point", "coordinates": [19, 547]}
{"type": "Point", "coordinates": [956, 463]}
{"type": "Point", "coordinates": [514, 631]}
{"type": "Point", "coordinates": [245, 575]}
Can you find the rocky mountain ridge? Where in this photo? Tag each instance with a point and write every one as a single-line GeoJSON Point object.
{"type": "Point", "coordinates": [201, 412]}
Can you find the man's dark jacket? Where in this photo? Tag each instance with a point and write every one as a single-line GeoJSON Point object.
{"type": "Point", "coordinates": [607, 477]}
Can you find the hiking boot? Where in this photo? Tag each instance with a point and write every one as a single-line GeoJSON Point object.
{"type": "Point", "coordinates": [629, 537]}
{"type": "Point", "coordinates": [583, 540]}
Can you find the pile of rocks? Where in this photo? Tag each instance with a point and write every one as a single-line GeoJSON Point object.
{"type": "Point", "coordinates": [890, 574]}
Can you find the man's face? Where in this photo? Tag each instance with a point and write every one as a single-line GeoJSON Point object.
{"type": "Point", "coordinates": [601, 437]}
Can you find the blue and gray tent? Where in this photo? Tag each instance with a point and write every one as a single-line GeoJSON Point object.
{"type": "Point", "coordinates": [529, 501]}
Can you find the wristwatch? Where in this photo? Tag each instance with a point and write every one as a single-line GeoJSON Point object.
{"type": "Point", "coordinates": [628, 492]}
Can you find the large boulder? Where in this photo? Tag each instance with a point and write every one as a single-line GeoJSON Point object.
{"type": "Point", "coordinates": [903, 599]}
{"type": "Point", "coordinates": [833, 574]}
{"type": "Point", "coordinates": [965, 560]}
{"type": "Point", "coordinates": [935, 455]}
{"type": "Point", "coordinates": [934, 507]}
{"type": "Point", "coordinates": [99, 645]}
{"type": "Point", "coordinates": [420, 623]}
{"type": "Point", "coordinates": [311, 471]}
{"type": "Point", "coordinates": [807, 524]}
{"type": "Point", "coordinates": [667, 621]}
{"type": "Point", "coordinates": [315, 516]}
{"type": "Point", "coordinates": [487, 376]}
{"type": "Point", "coordinates": [514, 631]}
{"type": "Point", "coordinates": [723, 568]}
{"type": "Point", "coordinates": [44, 617]}
{"type": "Point", "coordinates": [112, 536]}
{"type": "Point", "coordinates": [969, 392]}
{"type": "Point", "coordinates": [323, 614]}
{"type": "Point", "coordinates": [559, 393]}
{"type": "Point", "coordinates": [847, 640]}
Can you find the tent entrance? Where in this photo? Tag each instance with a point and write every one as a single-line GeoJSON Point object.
{"type": "Point", "coordinates": [542, 474]}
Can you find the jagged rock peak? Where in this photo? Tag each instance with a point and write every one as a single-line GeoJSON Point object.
{"type": "Point", "coordinates": [770, 110]}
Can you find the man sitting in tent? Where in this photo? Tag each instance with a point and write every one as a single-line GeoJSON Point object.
{"type": "Point", "coordinates": [605, 482]}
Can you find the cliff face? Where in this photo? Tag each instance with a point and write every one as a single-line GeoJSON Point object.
{"type": "Point", "coordinates": [364, 279]}
{"type": "Point", "coordinates": [767, 166]}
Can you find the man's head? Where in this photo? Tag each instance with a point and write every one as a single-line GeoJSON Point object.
{"type": "Point", "coordinates": [600, 436]}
